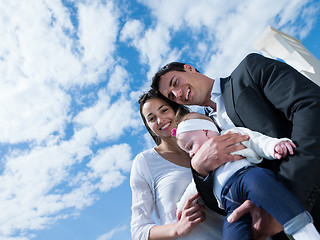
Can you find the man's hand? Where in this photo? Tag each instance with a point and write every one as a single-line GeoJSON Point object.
{"type": "Point", "coordinates": [215, 152]}
{"type": "Point", "coordinates": [263, 224]}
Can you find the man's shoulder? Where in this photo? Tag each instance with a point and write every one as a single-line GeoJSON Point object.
{"type": "Point", "coordinates": [251, 62]}
{"type": "Point", "coordinates": [252, 58]}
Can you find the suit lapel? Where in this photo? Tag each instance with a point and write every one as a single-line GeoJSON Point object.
{"type": "Point", "coordinates": [228, 99]}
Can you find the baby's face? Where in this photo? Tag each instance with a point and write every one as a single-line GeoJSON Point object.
{"type": "Point", "coordinates": [191, 141]}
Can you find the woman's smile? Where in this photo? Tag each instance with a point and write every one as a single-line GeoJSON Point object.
{"type": "Point", "coordinates": [165, 126]}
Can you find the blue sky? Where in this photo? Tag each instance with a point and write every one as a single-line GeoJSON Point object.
{"type": "Point", "coordinates": [71, 73]}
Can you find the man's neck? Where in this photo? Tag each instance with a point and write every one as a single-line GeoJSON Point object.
{"type": "Point", "coordinates": [209, 102]}
{"type": "Point", "coordinates": [212, 104]}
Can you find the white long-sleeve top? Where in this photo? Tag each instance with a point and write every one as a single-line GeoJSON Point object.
{"type": "Point", "coordinates": [157, 185]}
{"type": "Point", "coordinates": [258, 146]}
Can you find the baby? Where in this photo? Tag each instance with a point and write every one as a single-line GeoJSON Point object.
{"type": "Point", "coordinates": [235, 182]}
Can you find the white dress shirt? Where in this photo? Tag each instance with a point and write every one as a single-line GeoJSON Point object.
{"type": "Point", "coordinates": [220, 115]}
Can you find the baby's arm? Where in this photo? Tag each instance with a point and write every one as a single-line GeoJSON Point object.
{"type": "Point", "coordinates": [190, 191]}
{"type": "Point", "coordinates": [281, 149]}
{"type": "Point", "coordinates": [265, 146]}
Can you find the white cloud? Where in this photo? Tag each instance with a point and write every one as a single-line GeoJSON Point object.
{"type": "Point", "coordinates": [307, 14]}
{"type": "Point", "coordinates": [169, 14]}
{"type": "Point", "coordinates": [112, 158]}
{"type": "Point", "coordinates": [31, 111]}
{"type": "Point", "coordinates": [33, 55]}
{"type": "Point", "coordinates": [120, 116]}
{"type": "Point", "coordinates": [98, 29]}
{"type": "Point", "coordinates": [227, 29]}
{"type": "Point", "coordinates": [35, 44]}
{"type": "Point", "coordinates": [31, 187]}
{"type": "Point", "coordinates": [29, 193]}
{"type": "Point", "coordinates": [39, 61]}
{"type": "Point", "coordinates": [110, 234]}
{"type": "Point", "coordinates": [118, 82]}
{"type": "Point", "coordinates": [154, 47]}
{"type": "Point", "coordinates": [109, 119]}
{"type": "Point", "coordinates": [131, 30]}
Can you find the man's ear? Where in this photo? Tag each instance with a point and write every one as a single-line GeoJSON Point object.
{"type": "Point", "coordinates": [189, 68]}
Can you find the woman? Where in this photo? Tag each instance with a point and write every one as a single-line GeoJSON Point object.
{"type": "Point", "coordinates": [159, 177]}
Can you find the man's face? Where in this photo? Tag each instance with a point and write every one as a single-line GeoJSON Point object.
{"type": "Point", "coordinates": [184, 87]}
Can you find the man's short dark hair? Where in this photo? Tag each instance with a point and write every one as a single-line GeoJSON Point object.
{"type": "Point", "coordinates": [173, 66]}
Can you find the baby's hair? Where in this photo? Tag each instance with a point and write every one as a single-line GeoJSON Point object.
{"type": "Point", "coordinates": [180, 117]}
{"type": "Point", "coordinates": [191, 115]}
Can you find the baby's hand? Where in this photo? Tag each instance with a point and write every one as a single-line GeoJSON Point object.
{"type": "Point", "coordinates": [282, 148]}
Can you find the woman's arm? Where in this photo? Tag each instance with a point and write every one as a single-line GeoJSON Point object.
{"type": "Point", "coordinates": [142, 201]}
{"type": "Point", "coordinates": [142, 223]}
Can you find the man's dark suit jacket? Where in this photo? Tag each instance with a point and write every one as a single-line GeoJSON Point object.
{"type": "Point", "coordinates": [271, 97]}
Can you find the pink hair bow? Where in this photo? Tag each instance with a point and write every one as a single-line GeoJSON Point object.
{"type": "Point", "coordinates": [174, 132]}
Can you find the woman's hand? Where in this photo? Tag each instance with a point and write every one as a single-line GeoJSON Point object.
{"type": "Point", "coordinates": [263, 224]}
{"type": "Point", "coordinates": [191, 215]}
{"type": "Point", "coordinates": [215, 152]}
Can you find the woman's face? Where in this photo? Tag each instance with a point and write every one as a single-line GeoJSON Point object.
{"type": "Point", "coordinates": [159, 117]}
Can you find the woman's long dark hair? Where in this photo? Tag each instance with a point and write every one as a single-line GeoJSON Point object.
{"type": "Point", "coordinates": [151, 94]}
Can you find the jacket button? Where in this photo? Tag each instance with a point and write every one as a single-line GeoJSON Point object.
{"type": "Point", "coordinates": [310, 202]}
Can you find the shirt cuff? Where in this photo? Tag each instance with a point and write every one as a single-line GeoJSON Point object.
{"type": "Point", "coordinates": [198, 176]}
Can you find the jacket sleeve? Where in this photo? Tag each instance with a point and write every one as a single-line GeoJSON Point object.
{"type": "Point", "coordinates": [205, 189]}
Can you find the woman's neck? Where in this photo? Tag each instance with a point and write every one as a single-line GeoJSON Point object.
{"type": "Point", "coordinates": [169, 145]}
{"type": "Point", "coordinates": [170, 151]}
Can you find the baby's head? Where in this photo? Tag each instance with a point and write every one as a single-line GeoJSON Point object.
{"type": "Point", "coordinates": [193, 130]}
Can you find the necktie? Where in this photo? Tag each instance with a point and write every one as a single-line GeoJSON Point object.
{"type": "Point", "coordinates": [207, 112]}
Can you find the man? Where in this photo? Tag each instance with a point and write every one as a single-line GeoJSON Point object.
{"type": "Point", "coordinates": [264, 95]}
